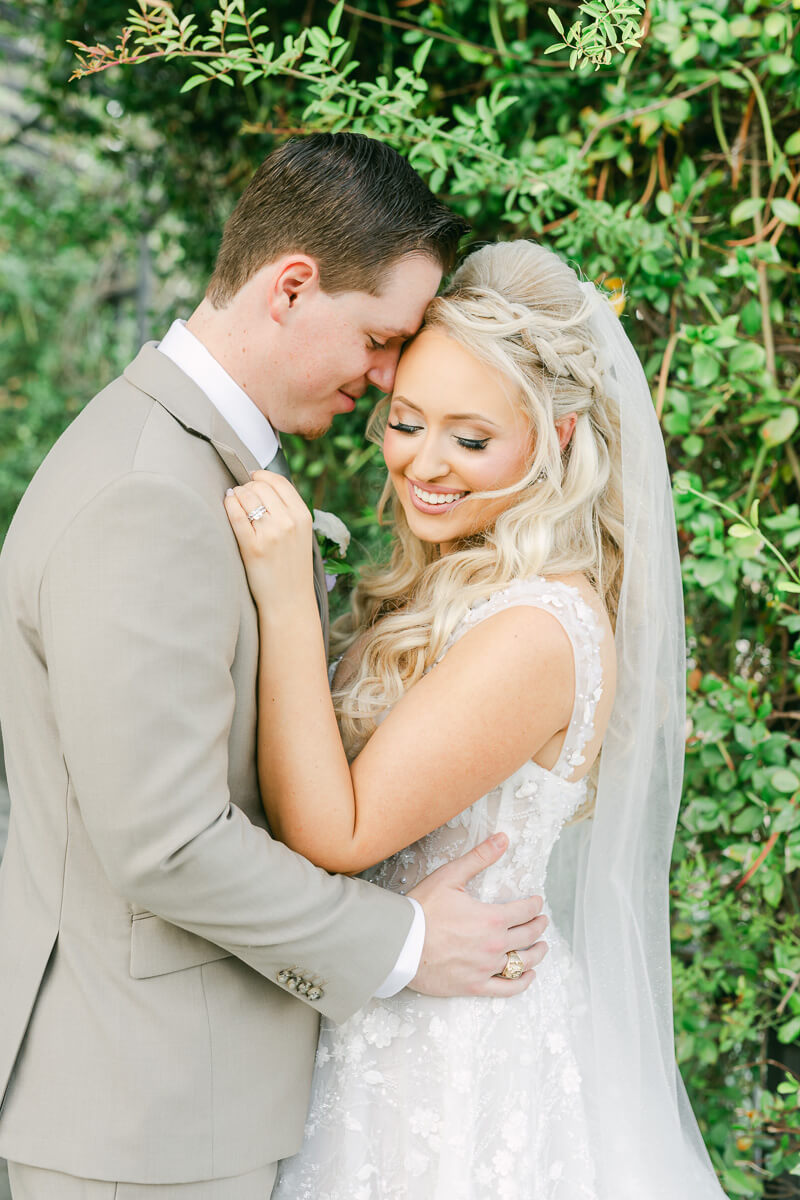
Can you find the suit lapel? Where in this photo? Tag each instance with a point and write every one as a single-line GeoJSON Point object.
{"type": "Point", "coordinates": [159, 377]}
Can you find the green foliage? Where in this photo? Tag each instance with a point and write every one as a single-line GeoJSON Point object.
{"type": "Point", "coordinates": [671, 174]}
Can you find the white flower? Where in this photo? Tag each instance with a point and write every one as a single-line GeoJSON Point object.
{"type": "Point", "coordinates": [331, 526]}
{"type": "Point", "coordinates": [556, 1043]}
{"type": "Point", "coordinates": [515, 1131]}
{"type": "Point", "coordinates": [380, 1026]}
{"type": "Point", "coordinates": [571, 1080]}
{"type": "Point", "coordinates": [461, 1081]}
{"type": "Point", "coordinates": [503, 1162]}
{"type": "Point", "coordinates": [424, 1122]}
{"type": "Point", "coordinates": [437, 1028]}
{"type": "Point", "coordinates": [355, 1049]}
{"type": "Point", "coordinates": [416, 1163]}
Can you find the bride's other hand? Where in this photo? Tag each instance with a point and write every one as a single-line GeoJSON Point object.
{"type": "Point", "coordinates": [276, 545]}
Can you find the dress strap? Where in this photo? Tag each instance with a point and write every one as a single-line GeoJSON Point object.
{"type": "Point", "coordinates": [583, 629]}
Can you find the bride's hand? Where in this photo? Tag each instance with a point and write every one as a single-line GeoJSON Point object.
{"type": "Point", "coordinates": [276, 545]}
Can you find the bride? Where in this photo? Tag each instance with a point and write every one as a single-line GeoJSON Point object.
{"type": "Point", "coordinates": [517, 667]}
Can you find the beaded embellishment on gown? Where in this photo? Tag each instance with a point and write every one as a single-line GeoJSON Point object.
{"type": "Point", "coordinates": [424, 1098]}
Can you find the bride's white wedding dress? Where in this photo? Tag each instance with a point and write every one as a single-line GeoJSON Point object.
{"type": "Point", "coordinates": [421, 1098]}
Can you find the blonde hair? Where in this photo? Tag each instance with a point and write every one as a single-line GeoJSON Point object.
{"type": "Point", "coordinates": [520, 310]}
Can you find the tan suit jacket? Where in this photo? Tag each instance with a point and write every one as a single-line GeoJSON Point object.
{"type": "Point", "coordinates": [145, 912]}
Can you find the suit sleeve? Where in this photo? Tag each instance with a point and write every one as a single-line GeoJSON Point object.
{"type": "Point", "coordinates": [140, 609]}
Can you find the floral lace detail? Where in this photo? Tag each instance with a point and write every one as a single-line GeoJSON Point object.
{"type": "Point", "coordinates": [421, 1098]}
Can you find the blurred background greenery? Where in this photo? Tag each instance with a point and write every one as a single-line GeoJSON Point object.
{"type": "Point", "coordinates": [670, 174]}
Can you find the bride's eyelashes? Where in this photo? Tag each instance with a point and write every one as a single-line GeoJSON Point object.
{"type": "Point", "coordinates": [467, 443]}
{"type": "Point", "coordinates": [374, 345]}
{"type": "Point", "coordinates": [401, 428]}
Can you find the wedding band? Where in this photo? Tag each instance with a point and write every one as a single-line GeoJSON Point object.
{"type": "Point", "coordinates": [256, 514]}
{"type": "Point", "coordinates": [514, 966]}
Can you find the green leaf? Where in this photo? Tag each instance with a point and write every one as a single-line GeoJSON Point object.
{"type": "Point", "coordinates": [556, 20]}
{"type": "Point", "coordinates": [747, 356]}
{"type": "Point", "coordinates": [421, 54]}
{"type": "Point", "coordinates": [788, 585]}
{"type": "Point", "coordinates": [686, 50]}
{"type": "Point", "coordinates": [785, 781]}
{"type": "Point", "coordinates": [665, 203]}
{"type": "Point", "coordinates": [788, 818]}
{"type": "Point", "coordinates": [708, 571]}
{"type": "Point", "coordinates": [792, 144]}
{"type": "Point", "coordinates": [786, 210]}
{"type": "Point", "coordinates": [334, 18]}
{"type": "Point", "coordinates": [740, 531]}
{"type": "Point", "coordinates": [705, 368]}
{"type": "Point", "coordinates": [789, 1032]}
{"type": "Point", "coordinates": [779, 64]}
{"type": "Point", "coordinates": [779, 429]}
{"type": "Point", "coordinates": [746, 209]}
{"type": "Point", "coordinates": [193, 82]}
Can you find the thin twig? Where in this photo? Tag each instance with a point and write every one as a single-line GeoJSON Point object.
{"type": "Point", "coordinates": [663, 374]}
{"type": "Point", "coordinates": [630, 113]}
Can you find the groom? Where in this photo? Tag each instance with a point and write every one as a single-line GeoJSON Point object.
{"type": "Point", "coordinates": [164, 962]}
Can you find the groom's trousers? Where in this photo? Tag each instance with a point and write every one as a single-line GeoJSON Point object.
{"type": "Point", "coordinates": [35, 1183]}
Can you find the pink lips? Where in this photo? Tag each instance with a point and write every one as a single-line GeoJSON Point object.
{"type": "Point", "coordinates": [348, 400]}
{"type": "Point", "coordinates": [434, 510]}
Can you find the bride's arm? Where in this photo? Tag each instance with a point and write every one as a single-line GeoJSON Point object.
{"type": "Point", "coordinates": [467, 725]}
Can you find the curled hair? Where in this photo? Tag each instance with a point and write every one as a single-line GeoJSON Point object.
{"type": "Point", "coordinates": [521, 311]}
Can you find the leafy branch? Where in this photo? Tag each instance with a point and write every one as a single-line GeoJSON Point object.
{"type": "Point", "coordinates": [606, 27]}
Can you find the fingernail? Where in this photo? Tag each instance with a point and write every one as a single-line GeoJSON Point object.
{"type": "Point", "coordinates": [229, 492]}
{"type": "Point", "coordinates": [499, 839]}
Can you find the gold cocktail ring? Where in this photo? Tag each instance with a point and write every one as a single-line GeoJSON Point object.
{"type": "Point", "coordinates": [514, 966]}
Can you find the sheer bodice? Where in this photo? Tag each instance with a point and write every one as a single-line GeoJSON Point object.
{"type": "Point", "coordinates": [422, 1098]}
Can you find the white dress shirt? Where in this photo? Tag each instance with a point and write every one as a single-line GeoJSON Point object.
{"type": "Point", "coordinates": [254, 430]}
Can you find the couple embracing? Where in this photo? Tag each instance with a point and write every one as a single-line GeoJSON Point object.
{"type": "Point", "coordinates": [499, 750]}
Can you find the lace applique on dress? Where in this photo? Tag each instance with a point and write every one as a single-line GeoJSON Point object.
{"type": "Point", "coordinates": [421, 1098]}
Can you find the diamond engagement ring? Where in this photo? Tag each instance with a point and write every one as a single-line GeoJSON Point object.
{"type": "Point", "coordinates": [514, 966]}
{"type": "Point", "coordinates": [256, 514]}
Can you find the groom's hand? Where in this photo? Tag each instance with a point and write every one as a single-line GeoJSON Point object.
{"type": "Point", "coordinates": [467, 942]}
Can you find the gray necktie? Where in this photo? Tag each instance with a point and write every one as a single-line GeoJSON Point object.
{"type": "Point", "coordinates": [281, 467]}
{"type": "Point", "coordinates": [279, 464]}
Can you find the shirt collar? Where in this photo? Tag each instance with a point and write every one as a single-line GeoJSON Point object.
{"type": "Point", "coordinates": [232, 402]}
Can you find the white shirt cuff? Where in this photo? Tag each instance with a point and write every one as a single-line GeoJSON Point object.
{"type": "Point", "coordinates": [407, 964]}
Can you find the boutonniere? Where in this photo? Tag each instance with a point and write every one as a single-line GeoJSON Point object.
{"type": "Point", "coordinates": [333, 537]}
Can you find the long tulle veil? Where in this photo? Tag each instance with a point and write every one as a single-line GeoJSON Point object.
{"type": "Point", "coordinates": [608, 878]}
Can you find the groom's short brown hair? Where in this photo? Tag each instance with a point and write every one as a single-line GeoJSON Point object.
{"type": "Point", "coordinates": [349, 201]}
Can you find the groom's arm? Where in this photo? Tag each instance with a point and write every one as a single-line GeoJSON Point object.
{"type": "Point", "coordinates": [140, 609]}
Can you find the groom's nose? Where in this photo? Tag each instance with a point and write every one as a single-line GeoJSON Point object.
{"type": "Point", "coordinates": [382, 370]}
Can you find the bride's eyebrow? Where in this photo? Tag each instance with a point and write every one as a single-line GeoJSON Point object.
{"type": "Point", "coordinates": [450, 416]}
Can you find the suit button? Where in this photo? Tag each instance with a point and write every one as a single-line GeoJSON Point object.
{"type": "Point", "coordinates": [292, 982]}
{"type": "Point", "coordinates": [283, 976]}
{"type": "Point", "coordinates": [315, 993]}
{"type": "Point", "coordinates": [302, 987]}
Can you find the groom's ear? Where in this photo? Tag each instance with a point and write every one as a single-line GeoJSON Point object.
{"type": "Point", "coordinates": [292, 279]}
